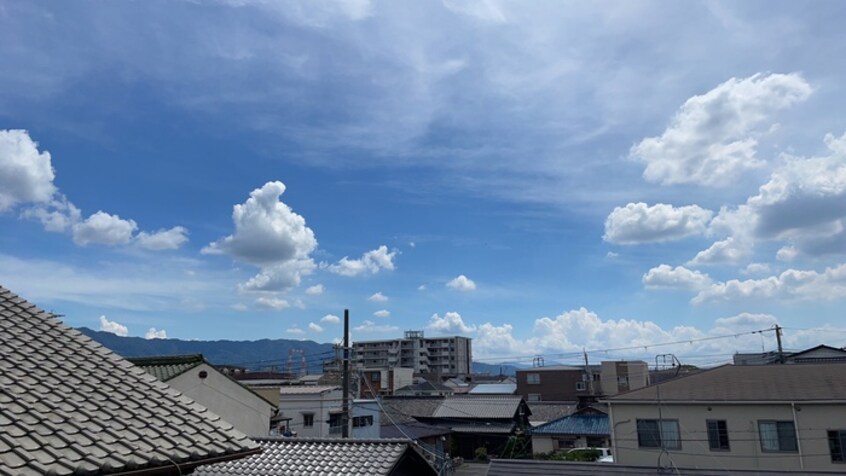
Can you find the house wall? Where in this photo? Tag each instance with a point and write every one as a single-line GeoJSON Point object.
{"type": "Point", "coordinates": [366, 408]}
{"type": "Point", "coordinates": [555, 385]}
{"type": "Point", "coordinates": [542, 444]}
{"type": "Point", "coordinates": [811, 420]}
{"type": "Point", "coordinates": [623, 376]}
{"type": "Point", "coordinates": [317, 404]}
{"type": "Point", "coordinates": [247, 412]}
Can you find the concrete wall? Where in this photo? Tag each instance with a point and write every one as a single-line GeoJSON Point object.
{"type": "Point", "coordinates": [811, 420]}
{"type": "Point", "coordinates": [318, 405]}
{"type": "Point", "coordinates": [363, 408]}
{"type": "Point", "coordinates": [247, 412]}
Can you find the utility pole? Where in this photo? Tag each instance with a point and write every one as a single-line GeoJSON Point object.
{"type": "Point", "coordinates": [778, 339]}
{"type": "Point", "coordinates": [345, 405]}
{"type": "Point", "coordinates": [589, 373]}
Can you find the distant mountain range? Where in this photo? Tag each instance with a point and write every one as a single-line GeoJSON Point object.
{"type": "Point", "coordinates": [261, 354]}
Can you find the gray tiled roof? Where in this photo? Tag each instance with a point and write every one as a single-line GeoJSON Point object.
{"type": "Point", "coordinates": [70, 406]}
{"type": "Point", "coordinates": [733, 383]}
{"type": "Point", "coordinates": [322, 456]}
{"type": "Point", "coordinates": [522, 467]}
{"type": "Point", "coordinates": [402, 410]}
{"type": "Point", "coordinates": [165, 368]}
{"type": "Point", "coordinates": [596, 425]}
{"type": "Point", "coordinates": [478, 407]}
{"type": "Point", "coordinates": [548, 411]}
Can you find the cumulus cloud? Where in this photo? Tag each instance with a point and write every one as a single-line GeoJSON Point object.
{"type": "Point", "coordinates": [315, 290]}
{"type": "Point", "coordinates": [666, 277]}
{"type": "Point", "coordinates": [163, 239]}
{"type": "Point", "coordinates": [714, 136]}
{"type": "Point", "coordinates": [370, 326]}
{"type": "Point", "coordinates": [295, 331]}
{"type": "Point", "coordinates": [272, 303]}
{"type": "Point", "coordinates": [314, 327]}
{"type": "Point", "coordinates": [113, 327]}
{"type": "Point", "coordinates": [382, 313]}
{"type": "Point", "coordinates": [330, 319]}
{"type": "Point", "coordinates": [270, 235]}
{"type": "Point", "coordinates": [724, 251]}
{"type": "Point", "coordinates": [26, 179]}
{"type": "Point", "coordinates": [26, 175]}
{"type": "Point", "coordinates": [105, 229]}
{"type": "Point", "coordinates": [378, 297]}
{"type": "Point", "coordinates": [640, 223]}
{"type": "Point", "coordinates": [757, 268]}
{"type": "Point", "coordinates": [450, 323]}
{"type": "Point", "coordinates": [370, 262]}
{"type": "Point", "coordinates": [152, 333]}
{"type": "Point", "coordinates": [790, 284]}
{"type": "Point", "coordinates": [787, 253]}
{"type": "Point", "coordinates": [462, 283]}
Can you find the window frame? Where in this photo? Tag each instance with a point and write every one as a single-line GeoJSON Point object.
{"type": "Point", "coordinates": [533, 376]}
{"type": "Point", "coordinates": [308, 420]}
{"type": "Point", "coordinates": [718, 435]}
{"type": "Point", "coordinates": [658, 433]}
{"type": "Point", "coordinates": [780, 436]}
{"type": "Point", "coordinates": [581, 386]}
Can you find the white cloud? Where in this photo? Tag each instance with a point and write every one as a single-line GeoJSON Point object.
{"type": "Point", "coordinates": [239, 306]}
{"type": "Point", "coordinates": [378, 297]}
{"type": "Point", "coordinates": [103, 228]}
{"type": "Point", "coordinates": [451, 323]}
{"type": "Point", "coordinates": [462, 283]}
{"type": "Point", "coordinates": [113, 327]}
{"type": "Point", "coordinates": [787, 253]}
{"type": "Point", "coordinates": [314, 327]}
{"type": "Point", "coordinates": [744, 321]}
{"type": "Point", "coordinates": [295, 331]}
{"type": "Point", "coordinates": [713, 137]}
{"type": "Point", "coordinates": [163, 239]}
{"type": "Point", "coordinates": [382, 313]}
{"type": "Point", "coordinates": [315, 290]}
{"type": "Point", "coordinates": [330, 319]}
{"type": "Point", "coordinates": [757, 268]}
{"type": "Point", "coordinates": [26, 175]}
{"type": "Point", "coordinates": [422, 287]}
{"type": "Point", "coordinates": [272, 303]}
{"type": "Point", "coordinates": [667, 277]}
{"type": "Point", "coordinates": [270, 235]}
{"type": "Point", "coordinates": [639, 223]}
{"type": "Point", "coordinates": [152, 333]}
{"type": "Point", "coordinates": [370, 262]}
{"type": "Point", "coordinates": [57, 216]}
{"type": "Point", "coordinates": [370, 326]}
{"type": "Point", "coordinates": [828, 285]}
{"type": "Point", "coordinates": [728, 250]}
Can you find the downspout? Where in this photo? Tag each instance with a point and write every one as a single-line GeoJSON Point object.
{"type": "Point", "coordinates": [798, 439]}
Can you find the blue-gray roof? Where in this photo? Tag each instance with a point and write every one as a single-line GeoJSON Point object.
{"type": "Point", "coordinates": [575, 425]}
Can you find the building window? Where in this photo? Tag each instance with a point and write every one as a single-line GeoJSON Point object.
{"type": "Point", "coordinates": [777, 436]}
{"type": "Point", "coordinates": [651, 433]}
{"type": "Point", "coordinates": [308, 420]}
{"type": "Point", "coordinates": [718, 437]}
{"type": "Point", "coordinates": [533, 379]}
{"type": "Point", "coordinates": [837, 445]}
{"type": "Point", "coordinates": [534, 397]}
{"type": "Point", "coordinates": [361, 421]}
{"type": "Point", "coordinates": [335, 425]}
{"type": "Point", "coordinates": [580, 386]}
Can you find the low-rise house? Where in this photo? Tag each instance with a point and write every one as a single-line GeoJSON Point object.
{"type": "Point", "coordinates": [425, 388]}
{"type": "Point", "coordinates": [543, 412]}
{"type": "Point", "coordinates": [587, 428]}
{"type": "Point", "coordinates": [384, 382]}
{"type": "Point", "coordinates": [69, 406]}
{"type": "Point", "coordinates": [558, 383]}
{"type": "Point", "coordinates": [737, 417]}
{"type": "Point", "coordinates": [494, 389]}
{"type": "Point", "coordinates": [192, 375]}
{"type": "Point", "coordinates": [366, 419]}
{"type": "Point", "coordinates": [819, 354]}
{"type": "Point", "coordinates": [314, 410]}
{"type": "Point", "coordinates": [314, 456]}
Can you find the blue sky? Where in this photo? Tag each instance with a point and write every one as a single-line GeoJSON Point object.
{"type": "Point", "coordinates": [541, 177]}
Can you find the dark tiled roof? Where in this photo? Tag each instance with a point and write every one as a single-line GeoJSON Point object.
{"type": "Point", "coordinates": [478, 407]}
{"type": "Point", "coordinates": [166, 368]}
{"type": "Point", "coordinates": [575, 425]}
{"type": "Point", "coordinates": [326, 456]}
{"type": "Point", "coordinates": [413, 429]}
{"type": "Point", "coordinates": [402, 410]}
{"type": "Point", "coordinates": [70, 406]}
{"type": "Point", "coordinates": [733, 383]}
{"type": "Point", "coordinates": [548, 411]}
{"type": "Point", "coordinates": [521, 467]}
{"type": "Point", "coordinates": [493, 428]}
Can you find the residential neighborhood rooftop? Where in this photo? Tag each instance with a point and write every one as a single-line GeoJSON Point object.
{"type": "Point", "coordinates": [797, 382]}
{"type": "Point", "coordinates": [70, 406]}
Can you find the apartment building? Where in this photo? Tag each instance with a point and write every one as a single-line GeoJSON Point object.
{"type": "Point", "coordinates": [445, 356]}
{"type": "Point", "coordinates": [565, 383]}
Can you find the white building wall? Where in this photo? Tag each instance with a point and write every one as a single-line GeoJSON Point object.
{"type": "Point", "coordinates": [318, 405]}
{"type": "Point", "coordinates": [811, 420]}
{"type": "Point", "coordinates": [366, 408]}
{"type": "Point", "coordinates": [247, 412]}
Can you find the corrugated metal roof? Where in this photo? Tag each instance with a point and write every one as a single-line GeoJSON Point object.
{"type": "Point", "coordinates": [494, 389]}
{"type": "Point", "coordinates": [575, 425]}
{"type": "Point", "coordinates": [68, 405]}
{"type": "Point", "coordinates": [734, 383]}
{"type": "Point", "coordinates": [313, 456]}
{"type": "Point", "coordinates": [478, 407]}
